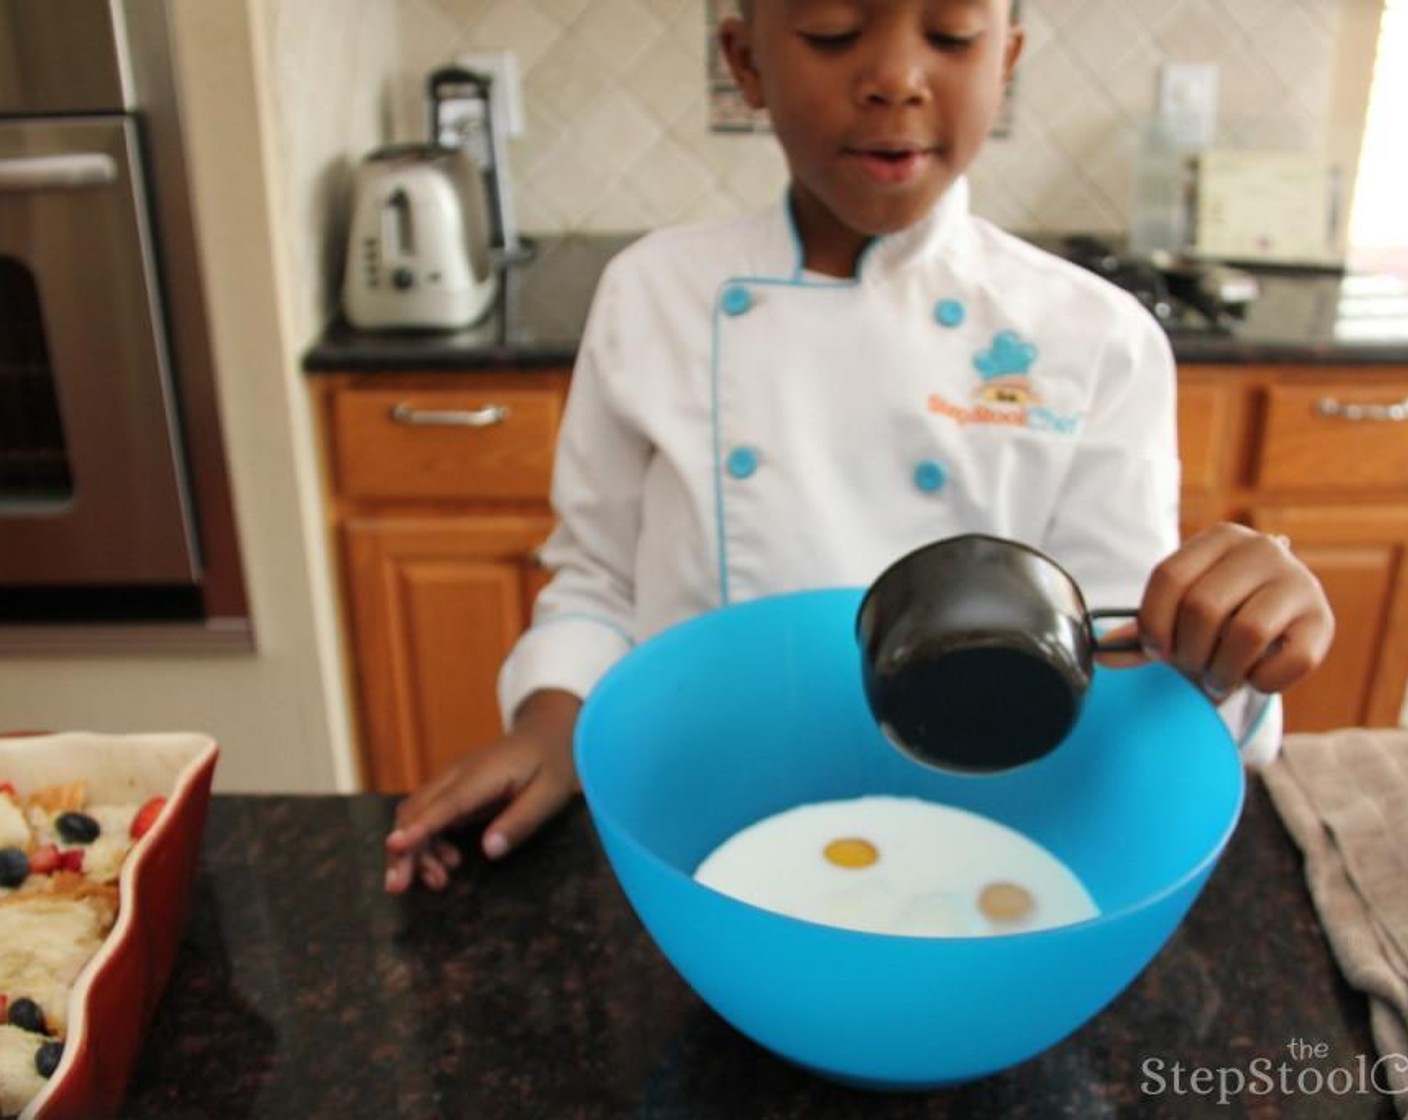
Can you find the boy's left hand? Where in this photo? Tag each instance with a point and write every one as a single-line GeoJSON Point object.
{"type": "Point", "coordinates": [1233, 606]}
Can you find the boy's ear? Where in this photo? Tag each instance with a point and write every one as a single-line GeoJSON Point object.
{"type": "Point", "coordinates": [736, 42]}
{"type": "Point", "coordinates": [1016, 38]}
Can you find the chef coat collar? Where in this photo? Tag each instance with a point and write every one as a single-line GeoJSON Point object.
{"type": "Point", "coordinates": [930, 235]}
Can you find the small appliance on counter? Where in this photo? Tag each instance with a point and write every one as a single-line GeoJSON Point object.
{"type": "Point", "coordinates": [1186, 296]}
{"type": "Point", "coordinates": [418, 246]}
{"type": "Point", "coordinates": [1267, 207]}
{"type": "Point", "coordinates": [475, 104]}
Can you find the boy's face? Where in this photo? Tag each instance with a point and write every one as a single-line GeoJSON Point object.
{"type": "Point", "coordinates": [879, 105]}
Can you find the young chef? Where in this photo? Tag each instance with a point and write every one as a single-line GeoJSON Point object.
{"type": "Point", "coordinates": [797, 398]}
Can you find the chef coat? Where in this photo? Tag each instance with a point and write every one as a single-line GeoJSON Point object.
{"type": "Point", "coordinates": [739, 427]}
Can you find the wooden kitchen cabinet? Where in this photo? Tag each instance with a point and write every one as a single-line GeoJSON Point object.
{"type": "Point", "coordinates": [437, 601]}
{"type": "Point", "coordinates": [438, 500]}
{"type": "Point", "coordinates": [1319, 453]}
{"type": "Point", "coordinates": [438, 492]}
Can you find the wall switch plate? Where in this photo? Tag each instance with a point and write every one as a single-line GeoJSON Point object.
{"type": "Point", "coordinates": [1187, 103]}
{"type": "Point", "coordinates": [502, 68]}
{"type": "Point", "coordinates": [506, 119]}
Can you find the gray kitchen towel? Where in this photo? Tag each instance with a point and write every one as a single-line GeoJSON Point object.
{"type": "Point", "coordinates": [1343, 796]}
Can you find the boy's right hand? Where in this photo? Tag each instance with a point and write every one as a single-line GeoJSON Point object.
{"type": "Point", "coordinates": [531, 768]}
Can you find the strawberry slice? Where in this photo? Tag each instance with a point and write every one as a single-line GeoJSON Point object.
{"type": "Point", "coordinates": [71, 859]}
{"type": "Point", "coordinates": [146, 817]}
{"type": "Point", "coordinates": [4, 1009]}
{"type": "Point", "coordinates": [44, 860]}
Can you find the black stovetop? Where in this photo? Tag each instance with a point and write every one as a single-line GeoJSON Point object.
{"type": "Point", "coordinates": [1173, 296]}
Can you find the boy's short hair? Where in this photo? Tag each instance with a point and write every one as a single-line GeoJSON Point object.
{"type": "Point", "coordinates": [745, 8]}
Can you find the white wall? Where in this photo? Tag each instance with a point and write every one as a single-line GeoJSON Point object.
{"type": "Point", "coordinates": [617, 103]}
{"type": "Point", "coordinates": [331, 65]}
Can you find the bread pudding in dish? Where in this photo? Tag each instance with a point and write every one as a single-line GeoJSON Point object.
{"type": "Point", "coordinates": [98, 843]}
{"type": "Point", "coordinates": [60, 859]}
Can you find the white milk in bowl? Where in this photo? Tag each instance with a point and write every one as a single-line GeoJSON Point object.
{"type": "Point", "coordinates": [897, 865]}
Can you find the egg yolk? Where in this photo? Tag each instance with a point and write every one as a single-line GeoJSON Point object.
{"type": "Point", "coordinates": [1005, 902]}
{"type": "Point", "coordinates": [851, 851]}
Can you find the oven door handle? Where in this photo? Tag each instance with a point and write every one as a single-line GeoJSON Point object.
{"type": "Point", "coordinates": [47, 173]}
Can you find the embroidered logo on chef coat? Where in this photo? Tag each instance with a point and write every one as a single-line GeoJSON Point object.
{"type": "Point", "coordinates": [1006, 392]}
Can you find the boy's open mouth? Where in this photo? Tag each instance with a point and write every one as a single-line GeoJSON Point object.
{"type": "Point", "coordinates": [891, 165]}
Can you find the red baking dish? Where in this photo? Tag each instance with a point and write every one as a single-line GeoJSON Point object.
{"type": "Point", "coordinates": [116, 995]}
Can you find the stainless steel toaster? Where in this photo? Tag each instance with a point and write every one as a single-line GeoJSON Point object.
{"type": "Point", "coordinates": [418, 242]}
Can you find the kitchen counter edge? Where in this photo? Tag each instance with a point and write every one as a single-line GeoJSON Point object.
{"type": "Point", "coordinates": [543, 301]}
{"type": "Point", "coordinates": [343, 349]}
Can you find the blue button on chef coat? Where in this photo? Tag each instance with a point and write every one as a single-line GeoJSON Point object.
{"type": "Point", "coordinates": [737, 300]}
{"type": "Point", "coordinates": [949, 313]}
{"type": "Point", "coordinates": [742, 462]}
{"type": "Point", "coordinates": [929, 476]}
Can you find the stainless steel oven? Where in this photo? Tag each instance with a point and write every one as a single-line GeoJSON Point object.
{"type": "Point", "coordinates": [113, 496]}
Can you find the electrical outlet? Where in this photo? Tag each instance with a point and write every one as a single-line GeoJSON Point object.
{"type": "Point", "coordinates": [1187, 103]}
{"type": "Point", "coordinates": [507, 94]}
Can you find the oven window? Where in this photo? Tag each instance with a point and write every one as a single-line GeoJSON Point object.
{"type": "Point", "coordinates": [34, 467]}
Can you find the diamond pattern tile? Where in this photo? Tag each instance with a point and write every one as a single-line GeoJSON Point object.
{"type": "Point", "coordinates": [614, 130]}
{"type": "Point", "coordinates": [521, 26]}
{"type": "Point", "coordinates": [618, 137]}
{"type": "Point", "coordinates": [618, 31]}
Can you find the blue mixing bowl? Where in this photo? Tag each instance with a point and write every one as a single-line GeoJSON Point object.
{"type": "Point", "coordinates": [753, 709]}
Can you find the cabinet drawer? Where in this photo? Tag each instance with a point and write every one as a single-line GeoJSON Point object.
{"type": "Point", "coordinates": [1335, 437]}
{"type": "Point", "coordinates": [445, 443]}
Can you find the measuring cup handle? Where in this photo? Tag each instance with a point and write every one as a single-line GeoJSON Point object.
{"type": "Point", "coordinates": [1120, 645]}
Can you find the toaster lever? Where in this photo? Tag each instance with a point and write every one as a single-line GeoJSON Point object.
{"type": "Point", "coordinates": [397, 227]}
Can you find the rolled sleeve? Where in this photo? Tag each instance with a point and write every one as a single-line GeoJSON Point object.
{"type": "Point", "coordinates": [583, 620]}
{"type": "Point", "coordinates": [568, 652]}
{"type": "Point", "coordinates": [1117, 516]}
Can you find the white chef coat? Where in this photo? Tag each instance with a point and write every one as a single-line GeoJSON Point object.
{"type": "Point", "coordinates": [738, 427]}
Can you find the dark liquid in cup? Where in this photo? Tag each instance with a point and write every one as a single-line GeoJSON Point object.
{"type": "Point", "coordinates": [977, 709]}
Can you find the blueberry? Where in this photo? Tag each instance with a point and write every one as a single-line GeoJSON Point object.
{"type": "Point", "coordinates": [78, 828]}
{"type": "Point", "coordinates": [27, 1015]}
{"type": "Point", "coordinates": [47, 1058]}
{"type": "Point", "coordinates": [14, 867]}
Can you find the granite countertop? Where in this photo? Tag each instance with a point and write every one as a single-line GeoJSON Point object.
{"type": "Point", "coordinates": [536, 321]}
{"type": "Point", "coordinates": [1310, 317]}
{"type": "Point", "coordinates": [528, 989]}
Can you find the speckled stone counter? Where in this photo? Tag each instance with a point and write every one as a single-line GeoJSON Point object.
{"type": "Point", "coordinates": [536, 321]}
{"type": "Point", "coordinates": [1299, 317]}
{"type": "Point", "coordinates": [528, 989]}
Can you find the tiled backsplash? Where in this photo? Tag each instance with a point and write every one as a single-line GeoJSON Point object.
{"type": "Point", "coordinates": [616, 103]}
{"type": "Point", "coordinates": [329, 104]}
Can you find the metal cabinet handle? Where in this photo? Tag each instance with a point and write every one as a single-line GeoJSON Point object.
{"type": "Point", "coordinates": [1394, 413]}
{"type": "Point", "coordinates": [40, 173]}
{"type": "Point", "coordinates": [485, 417]}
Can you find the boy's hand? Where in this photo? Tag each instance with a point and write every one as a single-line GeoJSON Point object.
{"type": "Point", "coordinates": [1233, 606]}
{"type": "Point", "coordinates": [531, 768]}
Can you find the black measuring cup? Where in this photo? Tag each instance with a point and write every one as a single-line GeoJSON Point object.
{"type": "Point", "coordinates": [977, 652]}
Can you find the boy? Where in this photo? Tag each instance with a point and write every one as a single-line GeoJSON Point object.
{"type": "Point", "coordinates": [797, 398]}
